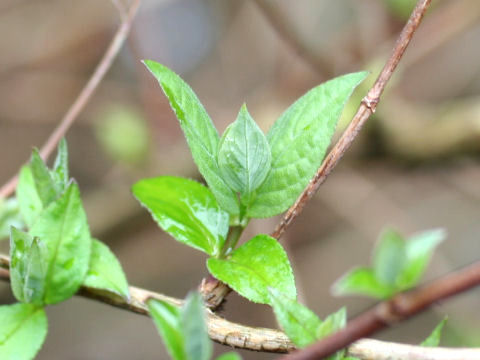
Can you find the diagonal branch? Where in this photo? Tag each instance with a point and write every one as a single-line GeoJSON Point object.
{"type": "Point", "coordinates": [85, 95]}
{"type": "Point", "coordinates": [367, 108]}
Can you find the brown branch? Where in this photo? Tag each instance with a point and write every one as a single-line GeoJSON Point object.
{"type": "Point", "coordinates": [85, 95]}
{"type": "Point", "coordinates": [384, 314]}
{"type": "Point", "coordinates": [367, 108]}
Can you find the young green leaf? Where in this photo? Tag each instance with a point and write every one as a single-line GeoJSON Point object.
{"type": "Point", "coordinates": [9, 216]}
{"type": "Point", "coordinates": [201, 135]}
{"type": "Point", "coordinates": [27, 268]}
{"type": "Point", "coordinates": [63, 229]}
{"type": "Point", "coordinates": [167, 320]}
{"type": "Point", "coordinates": [22, 331]}
{"type": "Point", "coordinates": [389, 257]}
{"type": "Point", "coordinates": [434, 338]}
{"type": "Point", "coordinates": [186, 210]}
{"type": "Point", "coordinates": [299, 323]}
{"type": "Point", "coordinates": [330, 325]}
{"type": "Point", "coordinates": [229, 356]}
{"type": "Point", "coordinates": [244, 156]}
{"type": "Point", "coordinates": [105, 271]}
{"type": "Point", "coordinates": [192, 319]}
{"type": "Point", "coordinates": [361, 281]}
{"type": "Point", "coordinates": [60, 167]}
{"type": "Point", "coordinates": [29, 201]}
{"type": "Point", "coordinates": [298, 141]}
{"type": "Point", "coordinates": [257, 265]}
{"type": "Point", "coordinates": [45, 184]}
{"type": "Point", "coordinates": [419, 250]}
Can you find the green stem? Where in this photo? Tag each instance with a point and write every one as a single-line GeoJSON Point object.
{"type": "Point", "coordinates": [233, 235]}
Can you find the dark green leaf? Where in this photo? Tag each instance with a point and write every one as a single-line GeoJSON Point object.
{"type": "Point", "coordinates": [201, 135]}
{"type": "Point", "coordinates": [45, 184]}
{"type": "Point", "coordinates": [9, 216]}
{"type": "Point", "coordinates": [167, 320]}
{"type": "Point", "coordinates": [330, 325]}
{"type": "Point", "coordinates": [434, 338]}
{"type": "Point", "coordinates": [60, 167]}
{"type": "Point", "coordinates": [23, 328]}
{"type": "Point", "coordinates": [419, 250]}
{"type": "Point", "coordinates": [244, 156]}
{"type": "Point", "coordinates": [257, 265]}
{"type": "Point", "coordinates": [298, 141]}
{"type": "Point", "coordinates": [27, 268]}
{"type": "Point", "coordinates": [389, 257]}
{"type": "Point", "coordinates": [229, 356]}
{"type": "Point", "coordinates": [299, 323]}
{"type": "Point", "coordinates": [361, 281]}
{"type": "Point", "coordinates": [186, 210]}
{"type": "Point", "coordinates": [63, 229]}
{"type": "Point", "coordinates": [105, 271]}
{"type": "Point", "coordinates": [29, 201]}
{"type": "Point", "coordinates": [192, 318]}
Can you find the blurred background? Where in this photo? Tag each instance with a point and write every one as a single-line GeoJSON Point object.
{"type": "Point", "coordinates": [414, 166]}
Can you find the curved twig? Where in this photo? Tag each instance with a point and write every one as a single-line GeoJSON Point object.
{"type": "Point", "coordinates": [85, 95]}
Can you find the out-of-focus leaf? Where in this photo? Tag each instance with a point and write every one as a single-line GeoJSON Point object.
{"type": "Point", "coordinates": [105, 271]}
{"type": "Point", "coordinates": [257, 265]}
{"type": "Point", "coordinates": [201, 135]}
{"type": "Point", "coordinates": [23, 328]}
{"type": "Point", "coordinates": [229, 356]}
{"type": "Point", "coordinates": [192, 318]}
{"type": "Point", "coordinates": [186, 210]}
{"type": "Point", "coordinates": [330, 325]}
{"type": "Point", "coordinates": [434, 338]}
{"type": "Point", "coordinates": [389, 257]}
{"type": "Point", "coordinates": [361, 281]}
{"type": "Point", "coordinates": [9, 216]}
{"type": "Point", "coordinates": [298, 141]}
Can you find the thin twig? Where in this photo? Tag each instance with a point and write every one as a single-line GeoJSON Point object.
{"type": "Point", "coordinates": [269, 340]}
{"type": "Point", "coordinates": [366, 108]}
{"type": "Point", "coordinates": [85, 95]}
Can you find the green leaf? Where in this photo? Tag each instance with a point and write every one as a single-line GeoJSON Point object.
{"type": "Point", "coordinates": [9, 216]}
{"type": "Point", "coordinates": [299, 140]}
{"type": "Point", "coordinates": [167, 320]}
{"type": "Point", "coordinates": [434, 338]}
{"type": "Point", "coordinates": [201, 135]}
{"type": "Point", "coordinates": [192, 318]}
{"type": "Point", "coordinates": [229, 356]}
{"type": "Point", "coordinates": [244, 156]}
{"type": "Point", "coordinates": [419, 250]}
{"type": "Point", "coordinates": [44, 183]}
{"type": "Point", "coordinates": [361, 281]}
{"type": "Point", "coordinates": [299, 323]}
{"type": "Point", "coordinates": [186, 210]}
{"type": "Point", "coordinates": [389, 257]}
{"type": "Point", "coordinates": [22, 331]}
{"type": "Point", "coordinates": [63, 229]}
{"type": "Point", "coordinates": [60, 167]}
{"type": "Point", "coordinates": [105, 271]}
{"type": "Point", "coordinates": [257, 265]}
{"type": "Point", "coordinates": [330, 325]}
{"type": "Point", "coordinates": [29, 201]}
{"type": "Point", "coordinates": [27, 268]}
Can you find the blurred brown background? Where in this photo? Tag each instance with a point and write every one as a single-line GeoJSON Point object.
{"type": "Point", "coordinates": [415, 166]}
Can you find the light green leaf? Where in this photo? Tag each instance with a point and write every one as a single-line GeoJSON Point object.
{"type": "Point", "coordinates": [244, 156]}
{"type": "Point", "coordinates": [419, 250]}
{"type": "Point", "coordinates": [9, 216]}
{"type": "Point", "coordinates": [27, 268]}
{"type": "Point", "coordinates": [433, 339]}
{"type": "Point", "coordinates": [257, 265]}
{"type": "Point", "coordinates": [330, 325]}
{"type": "Point", "coordinates": [63, 229]}
{"type": "Point", "coordinates": [192, 318]}
{"type": "Point", "coordinates": [167, 320]}
{"type": "Point", "coordinates": [22, 331]}
{"type": "Point", "coordinates": [299, 140]}
{"type": "Point", "coordinates": [29, 201]}
{"type": "Point", "coordinates": [60, 167]}
{"type": "Point", "coordinates": [361, 281]}
{"type": "Point", "coordinates": [229, 356]}
{"type": "Point", "coordinates": [201, 135]}
{"type": "Point", "coordinates": [186, 210]}
{"type": "Point", "coordinates": [105, 271]}
{"type": "Point", "coordinates": [44, 183]}
{"type": "Point", "coordinates": [389, 257]}
{"type": "Point", "coordinates": [299, 323]}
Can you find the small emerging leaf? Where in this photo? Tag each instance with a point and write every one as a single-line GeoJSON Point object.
{"type": "Point", "coordinates": [9, 216]}
{"type": "Point", "coordinates": [45, 184]}
{"type": "Point", "coordinates": [330, 325]}
{"type": "Point", "coordinates": [23, 328]}
{"type": "Point", "coordinates": [186, 210]}
{"type": "Point", "coordinates": [389, 257]}
{"type": "Point", "coordinates": [361, 281]}
{"type": "Point", "coordinates": [244, 156]}
{"type": "Point", "coordinates": [299, 322]}
{"type": "Point", "coordinates": [105, 271]}
{"type": "Point", "coordinates": [434, 338]}
{"type": "Point", "coordinates": [201, 135]}
{"type": "Point", "coordinates": [192, 318]}
{"type": "Point", "coordinates": [60, 167]}
{"type": "Point", "coordinates": [29, 201]}
{"type": "Point", "coordinates": [257, 265]}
